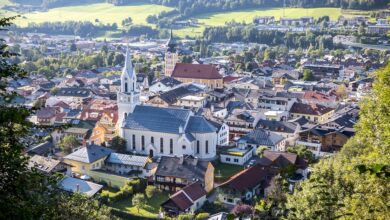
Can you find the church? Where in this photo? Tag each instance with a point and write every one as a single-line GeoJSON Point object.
{"type": "Point", "coordinates": [157, 131]}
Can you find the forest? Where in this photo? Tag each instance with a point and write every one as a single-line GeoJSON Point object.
{"type": "Point", "coordinates": [188, 8]}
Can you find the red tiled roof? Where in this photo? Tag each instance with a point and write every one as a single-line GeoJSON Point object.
{"type": "Point", "coordinates": [313, 95]}
{"type": "Point", "coordinates": [230, 79]}
{"type": "Point", "coordinates": [195, 191]}
{"type": "Point", "coordinates": [309, 109]}
{"type": "Point", "coordinates": [196, 71]}
{"type": "Point", "coordinates": [181, 200]}
{"type": "Point", "coordinates": [245, 179]}
{"type": "Point", "coordinates": [185, 198]}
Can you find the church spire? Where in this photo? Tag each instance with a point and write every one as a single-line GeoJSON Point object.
{"type": "Point", "coordinates": [128, 68]}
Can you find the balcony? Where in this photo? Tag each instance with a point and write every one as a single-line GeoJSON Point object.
{"type": "Point", "coordinates": [316, 145]}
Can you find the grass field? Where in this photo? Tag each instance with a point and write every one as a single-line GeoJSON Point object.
{"type": "Point", "coordinates": [106, 13]}
{"type": "Point", "coordinates": [219, 19]}
{"type": "Point", "coordinates": [223, 171]}
{"type": "Point", "coordinates": [150, 210]}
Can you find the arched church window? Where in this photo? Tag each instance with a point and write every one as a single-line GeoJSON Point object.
{"type": "Point", "coordinates": [126, 87]}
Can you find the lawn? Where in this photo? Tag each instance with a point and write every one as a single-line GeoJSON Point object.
{"type": "Point", "coordinates": [106, 13]}
{"type": "Point", "coordinates": [219, 19]}
{"type": "Point", "coordinates": [151, 209]}
{"type": "Point", "coordinates": [223, 172]}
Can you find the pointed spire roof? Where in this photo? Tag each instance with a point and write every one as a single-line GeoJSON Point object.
{"type": "Point", "coordinates": [128, 67]}
{"type": "Point", "coordinates": [171, 43]}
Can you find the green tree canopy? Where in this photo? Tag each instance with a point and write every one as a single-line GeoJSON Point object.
{"type": "Point", "coordinates": [337, 188]}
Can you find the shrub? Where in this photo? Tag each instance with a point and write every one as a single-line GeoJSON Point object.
{"type": "Point", "coordinates": [150, 191]}
{"type": "Point", "coordinates": [202, 215]}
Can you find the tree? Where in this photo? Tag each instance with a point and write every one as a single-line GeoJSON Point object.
{"type": "Point", "coordinates": [341, 91]}
{"type": "Point", "coordinates": [337, 187]}
{"type": "Point", "coordinates": [243, 210]}
{"type": "Point", "coordinates": [139, 201]}
{"type": "Point", "coordinates": [73, 47]}
{"type": "Point", "coordinates": [260, 150]}
{"type": "Point", "coordinates": [26, 193]}
{"type": "Point", "coordinates": [308, 75]}
{"type": "Point", "coordinates": [202, 216]}
{"type": "Point", "coordinates": [118, 144]}
{"type": "Point", "coordinates": [303, 152]}
{"type": "Point", "coordinates": [150, 191]}
{"type": "Point", "coordinates": [68, 143]}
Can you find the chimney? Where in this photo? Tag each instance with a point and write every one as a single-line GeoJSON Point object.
{"type": "Point", "coordinates": [212, 107]}
{"type": "Point", "coordinates": [77, 188]}
{"type": "Point", "coordinates": [181, 159]}
{"type": "Point", "coordinates": [181, 129]}
{"type": "Point", "coordinates": [195, 161]}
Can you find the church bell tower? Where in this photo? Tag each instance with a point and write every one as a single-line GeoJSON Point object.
{"type": "Point", "coordinates": [129, 95]}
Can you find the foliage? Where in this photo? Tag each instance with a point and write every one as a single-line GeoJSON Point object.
{"type": "Point", "coordinates": [202, 216]}
{"type": "Point", "coordinates": [302, 152]}
{"type": "Point", "coordinates": [68, 143]}
{"type": "Point", "coordinates": [25, 193]}
{"type": "Point", "coordinates": [243, 210]}
{"type": "Point", "coordinates": [81, 28]}
{"type": "Point", "coordinates": [260, 150]}
{"type": "Point", "coordinates": [118, 144]}
{"type": "Point", "coordinates": [339, 187]}
{"type": "Point", "coordinates": [139, 200]}
{"type": "Point", "coordinates": [308, 75]}
{"type": "Point", "coordinates": [150, 191]}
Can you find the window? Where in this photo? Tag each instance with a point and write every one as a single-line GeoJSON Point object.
{"type": "Point", "coordinates": [171, 146]}
{"type": "Point", "coordinates": [207, 147]}
{"type": "Point", "coordinates": [235, 160]}
{"type": "Point", "coordinates": [227, 158]}
{"type": "Point", "coordinates": [125, 87]}
{"type": "Point", "coordinates": [133, 142]}
{"type": "Point", "coordinates": [152, 140]}
{"type": "Point", "coordinates": [184, 147]}
{"type": "Point", "coordinates": [143, 142]}
{"type": "Point", "coordinates": [197, 147]}
{"type": "Point", "coordinates": [161, 145]}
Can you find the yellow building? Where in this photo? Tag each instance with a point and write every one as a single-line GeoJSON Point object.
{"type": "Point", "coordinates": [105, 129]}
{"type": "Point", "coordinates": [88, 158]}
{"type": "Point", "coordinates": [312, 112]}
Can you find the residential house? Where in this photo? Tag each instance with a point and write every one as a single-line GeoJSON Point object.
{"type": "Point", "coordinates": [46, 165]}
{"type": "Point", "coordinates": [87, 158]}
{"type": "Point", "coordinates": [74, 185]}
{"type": "Point", "coordinates": [165, 84]}
{"type": "Point", "coordinates": [131, 165]}
{"type": "Point", "coordinates": [105, 129]}
{"type": "Point", "coordinates": [243, 186]}
{"type": "Point", "coordinates": [262, 138]}
{"type": "Point", "coordinates": [174, 173]}
{"type": "Point", "coordinates": [314, 97]}
{"type": "Point", "coordinates": [276, 162]}
{"type": "Point", "coordinates": [324, 139]}
{"type": "Point", "coordinates": [188, 199]}
{"type": "Point", "coordinates": [313, 112]}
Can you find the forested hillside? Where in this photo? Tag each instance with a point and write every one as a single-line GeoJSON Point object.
{"type": "Point", "coordinates": [355, 184]}
{"type": "Point", "coordinates": [201, 6]}
{"type": "Point", "coordinates": [188, 8]}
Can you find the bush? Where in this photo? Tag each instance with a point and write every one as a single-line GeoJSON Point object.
{"type": "Point", "coordinates": [202, 215]}
{"type": "Point", "coordinates": [138, 185]}
{"type": "Point", "coordinates": [150, 191]}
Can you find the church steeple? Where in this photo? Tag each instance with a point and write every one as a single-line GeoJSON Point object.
{"type": "Point", "coordinates": [128, 77]}
{"type": "Point", "coordinates": [128, 96]}
{"type": "Point", "coordinates": [171, 43]}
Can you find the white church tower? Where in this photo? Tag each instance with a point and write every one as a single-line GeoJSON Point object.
{"type": "Point", "coordinates": [128, 96]}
